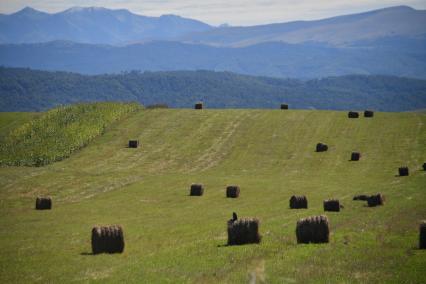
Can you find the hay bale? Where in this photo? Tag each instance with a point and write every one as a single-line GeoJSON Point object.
{"type": "Point", "coordinates": [424, 166]}
{"type": "Point", "coordinates": [353, 114]}
{"type": "Point", "coordinates": [232, 191]}
{"type": "Point", "coordinates": [314, 229]}
{"type": "Point", "coordinates": [403, 171]}
{"type": "Point", "coordinates": [133, 143]}
{"type": "Point", "coordinates": [332, 205]}
{"type": "Point", "coordinates": [298, 202]}
{"type": "Point", "coordinates": [422, 235]}
{"type": "Point", "coordinates": [107, 239]}
{"type": "Point", "coordinates": [43, 203]}
{"type": "Point", "coordinates": [368, 113]}
{"type": "Point", "coordinates": [243, 231]}
{"type": "Point", "coordinates": [196, 189]}
{"type": "Point", "coordinates": [376, 200]}
{"type": "Point", "coordinates": [362, 197]}
{"type": "Point", "coordinates": [284, 106]}
{"type": "Point", "coordinates": [198, 105]}
{"type": "Point", "coordinates": [321, 147]}
{"type": "Point", "coordinates": [355, 156]}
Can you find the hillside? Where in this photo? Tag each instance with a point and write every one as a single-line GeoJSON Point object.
{"type": "Point", "coordinates": [345, 30]}
{"type": "Point", "coordinates": [58, 133]}
{"type": "Point", "coordinates": [394, 56]}
{"type": "Point", "coordinates": [93, 25]}
{"type": "Point", "coordinates": [172, 237]}
{"type": "Point", "coordinates": [30, 90]}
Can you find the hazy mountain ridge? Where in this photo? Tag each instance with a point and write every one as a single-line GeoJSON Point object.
{"type": "Point", "coordinates": [93, 25]}
{"type": "Point", "coordinates": [32, 90]}
{"type": "Point", "coordinates": [390, 41]}
{"type": "Point", "coordinates": [395, 57]}
{"type": "Point", "coordinates": [336, 31]}
{"type": "Point", "coordinates": [101, 25]}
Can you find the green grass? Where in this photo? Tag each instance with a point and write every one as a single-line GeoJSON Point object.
{"type": "Point", "coordinates": [56, 134]}
{"type": "Point", "coordinates": [11, 120]}
{"type": "Point", "coordinates": [171, 237]}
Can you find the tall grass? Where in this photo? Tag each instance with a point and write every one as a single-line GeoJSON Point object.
{"type": "Point", "coordinates": [59, 132]}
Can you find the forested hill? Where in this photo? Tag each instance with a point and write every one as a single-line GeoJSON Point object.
{"type": "Point", "coordinates": [32, 90]}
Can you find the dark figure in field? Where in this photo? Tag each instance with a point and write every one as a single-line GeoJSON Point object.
{"type": "Point", "coordinates": [403, 171]}
{"type": "Point", "coordinates": [353, 114]}
{"type": "Point", "coordinates": [321, 147]}
{"type": "Point", "coordinates": [234, 216]}
{"type": "Point", "coordinates": [43, 203]}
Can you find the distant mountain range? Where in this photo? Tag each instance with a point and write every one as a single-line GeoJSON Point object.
{"type": "Point", "coordinates": [400, 21]}
{"type": "Point", "coordinates": [32, 90]}
{"type": "Point", "coordinates": [104, 26]}
{"type": "Point", "coordinates": [390, 41]}
{"type": "Point", "coordinates": [93, 25]}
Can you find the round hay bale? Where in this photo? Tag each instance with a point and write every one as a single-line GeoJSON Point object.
{"type": "Point", "coordinates": [314, 229]}
{"type": "Point", "coordinates": [232, 191]}
{"type": "Point", "coordinates": [284, 106]}
{"type": "Point", "coordinates": [376, 200]}
{"type": "Point", "coordinates": [196, 189]}
{"type": "Point", "coordinates": [133, 143]}
{"type": "Point", "coordinates": [43, 203]}
{"type": "Point", "coordinates": [332, 205]}
{"type": "Point", "coordinates": [243, 231]}
{"type": "Point", "coordinates": [355, 156]}
{"type": "Point", "coordinates": [422, 235]}
{"type": "Point", "coordinates": [107, 239]}
{"type": "Point", "coordinates": [199, 105]}
{"type": "Point", "coordinates": [424, 166]}
{"type": "Point", "coordinates": [321, 147]}
{"type": "Point", "coordinates": [298, 202]}
{"type": "Point", "coordinates": [368, 113]}
{"type": "Point", "coordinates": [362, 197]}
{"type": "Point", "coordinates": [403, 171]}
{"type": "Point", "coordinates": [353, 114]}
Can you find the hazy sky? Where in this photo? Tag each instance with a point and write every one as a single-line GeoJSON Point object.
{"type": "Point", "coordinates": [215, 12]}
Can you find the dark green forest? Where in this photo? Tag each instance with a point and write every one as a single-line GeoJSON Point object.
{"type": "Point", "coordinates": [32, 90]}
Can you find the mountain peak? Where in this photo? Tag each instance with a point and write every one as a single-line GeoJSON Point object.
{"type": "Point", "coordinates": [28, 10]}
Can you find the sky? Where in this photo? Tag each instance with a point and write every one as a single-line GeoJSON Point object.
{"type": "Point", "coordinates": [216, 12]}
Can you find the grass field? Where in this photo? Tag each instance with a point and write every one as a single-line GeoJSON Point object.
{"type": "Point", "coordinates": [172, 237]}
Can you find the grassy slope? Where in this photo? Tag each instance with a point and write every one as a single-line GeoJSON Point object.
{"type": "Point", "coordinates": [12, 120]}
{"type": "Point", "coordinates": [171, 237]}
{"type": "Point", "coordinates": [56, 134]}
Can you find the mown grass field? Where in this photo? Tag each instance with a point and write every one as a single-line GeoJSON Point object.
{"type": "Point", "coordinates": [172, 237]}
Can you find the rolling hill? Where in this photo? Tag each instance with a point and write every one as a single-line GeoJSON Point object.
{"type": "Point", "coordinates": [31, 90]}
{"type": "Point", "coordinates": [172, 237]}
